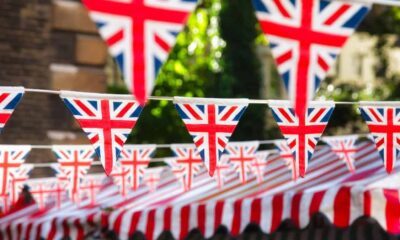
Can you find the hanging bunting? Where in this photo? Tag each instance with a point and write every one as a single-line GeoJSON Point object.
{"type": "Point", "coordinates": [187, 157]}
{"type": "Point", "coordinates": [259, 164]}
{"type": "Point", "coordinates": [120, 176]}
{"type": "Point", "coordinates": [60, 175]}
{"type": "Point", "coordinates": [46, 191]}
{"type": "Point", "coordinates": [18, 180]}
{"type": "Point", "coordinates": [106, 119]}
{"type": "Point", "coordinates": [74, 162]}
{"type": "Point", "coordinates": [211, 123]}
{"type": "Point", "coordinates": [139, 35]}
{"type": "Point", "coordinates": [302, 133]}
{"type": "Point", "coordinates": [91, 186]}
{"type": "Point", "coordinates": [345, 148]}
{"type": "Point", "coordinates": [383, 120]}
{"type": "Point", "coordinates": [242, 155]}
{"type": "Point", "coordinates": [179, 172]}
{"type": "Point", "coordinates": [286, 154]}
{"type": "Point", "coordinates": [135, 159]}
{"type": "Point", "coordinates": [152, 177]}
{"type": "Point", "coordinates": [9, 99]}
{"type": "Point", "coordinates": [306, 37]}
{"type": "Point", "coordinates": [222, 169]}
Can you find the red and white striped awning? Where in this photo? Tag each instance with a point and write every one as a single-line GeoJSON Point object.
{"type": "Point", "coordinates": [328, 189]}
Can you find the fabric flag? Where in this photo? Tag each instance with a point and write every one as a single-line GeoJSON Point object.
{"type": "Point", "coordinates": [188, 158]}
{"type": "Point", "coordinates": [60, 175]}
{"type": "Point", "coordinates": [302, 133]}
{"type": "Point", "coordinates": [91, 186]}
{"type": "Point", "coordinates": [140, 34]}
{"type": "Point", "coordinates": [345, 148]}
{"type": "Point", "coordinates": [221, 170]}
{"type": "Point", "coordinates": [152, 177]}
{"type": "Point", "coordinates": [383, 120]}
{"type": "Point", "coordinates": [179, 172]}
{"type": "Point", "coordinates": [106, 119]}
{"type": "Point", "coordinates": [306, 37]}
{"type": "Point", "coordinates": [46, 191]}
{"type": "Point", "coordinates": [135, 159]}
{"type": "Point", "coordinates": [18, 180]}
{"type": "Point", "coordinates": [211, 123]}
{"type": "Point", "coordinates": [120, 176]}
{"type": "Point", "coordinates": [9, 99]}
{"type": "Point", "coordinates": [242, 155]}
{"type": "Point", "coordinates": [259, 164]}
{"type": "Point", "coordinates": [11, 159]}
{"type": "Point", "coordinates": [286, 154]}
{"type": "Point", "coordinates": [74, 162]}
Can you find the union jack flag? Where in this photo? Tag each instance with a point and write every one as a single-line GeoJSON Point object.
{"type": "Point", "coordinates": [260, 163]}
{"type": "Point", "coordinates": [9, 99]}
{"type": "Point", "coordinates": [74, 162]}
{"type": "Point", "coordinates": [345, 148]}
{"type": "Point", "coordinates": [187, 158]}
{"type": "Point", "coordinates": [383, 120]}
{"type": "Point", "coordinates": [11, 159]}
{"type": "Point", "coordinates": [242, 155]}
{"type": "Point", "coordinates": [18, 179]}
{"type": "Point", "coordinates": [179, 172]}
{"type": "Point", "coordinates": [91, 186]}
{"type": "Point", "coordinates": [107, 122]}
{"type": "Point", "coordinates": [120, 176]}
{"type": "Point", "coordinates": [152, 177]}
{"type": "Point", "coordinates": [286, 154]}
{"type": "Point", "coordinates": [46, 191]}
{"type": "Point", "coordinates": [140, 34]}
{"type": "Point", "coordinates": [221, 170]}
{"type": "Point", "coordinates": [135, 159]}
{"type": "Point", "coordinates": [306, 37]}
{"type": "Point", "coordinates": [302, 133]}
{"type": "Point", "coordinates": [62, 178]}
{"type": "Point", "coordinates": [211, 123]}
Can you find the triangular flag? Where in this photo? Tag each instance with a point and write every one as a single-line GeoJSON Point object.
{"type": "Point", "coordinates": [222, 169]}
{"type": "Point", "coordinates": [179, 172]}
{"type": "Point", "coordinates": [345, 148]}
{"type": "Point", "coordinates": [211, 123]}
{"type": "Point", "coordinates": [306, 37]}
{"type": "Point", "coordinates": [18, 179]}
{"type": "Point", "coordinates": [9, 99]}
{"type": "Point", "coordinates": [135, 159]}
{"type": "Point", "coordinates": [139, 35]}
{"type": "Point", "coordinates": [260, 163]}
{"type": "Point", "coordinates": [152, 177]}
{"type": "Point", "coordinates": [46, 191]}
{"type": "Point", "coordinates": [91, 186]}
{"type": "Point", "coordinates": [120, 176]}
{"type": "Point", "coordinates": [286, 154]}
{"type": "Point", "coordinates": [302, 133]}
{"type": "Point", "coordinates": [242, 155]}
{"type": "Point", "coordinates": [74, 162]}
{"type": "Point", "coordinates": [383, 120]}
{"type": "Point", "coordinates": [106, 119]}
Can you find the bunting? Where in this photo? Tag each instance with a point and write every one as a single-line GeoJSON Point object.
{"type": "Point", "coordinates": [221, 170]}
{"type": "Point", "coordinates": [306, 37]}
{"type": "Point", "coordinates": [91, 186]}
{"type": "Point", "coordinates": [302, 133]}
{"type": "Point", "coordinates": [383, 120]}
{"type": "Point", "coordinates": [139, 35]}
{"type": "Point", "coordinates": [345, 148]}
{"type": "Point", "coordinates": [211, 123]}
{"type": "Point", "coordinates": [106, 119]}
{"type": "Point", "coordinates": [242, 155]}
{"type": "Point", "coordinates": [179, 172]}
{"type": "Point", "coordinates": [18, 180]}
{"type": "Point", "coordinates": [286, 154]}
{"type": "Point", "coordinates": [74, 162]}
{"type": "Point", "coordinates": [259, 164]}
{"type": "Point", "coordinates": [152, 177]}
{"type": "Point", "coordinates": [9, 99]}
{"type": "Point", "coordinates": [46, 191]}
{"type": "Point", "coordinates": [120, 176]}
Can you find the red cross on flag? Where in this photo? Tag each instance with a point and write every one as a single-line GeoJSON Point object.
{"type": "Point", "coordinates": [18, 179]}
{"type": "Point", "coordinates": [74, 162]}
{"type": "Point", "coordinates": [260, 163]}
{"type": "Point", "coordinates": [179, 172]}
{"type": "Point", "coordinates": [302, 132]}
{"type": "Point", "coordinates": [285, 153]}
{"type": "Point", "coordinates": [222, 169]}
{"type": "Point", "coordinates": [106, 119]}
{"type": "Point", "coordinates": [140, 34]}
{"type": "Point", "coordinates": [241, 156]}
{"type": "Point", "coordinates": [46, 192]}
{"type": "Point", "coordinates": [152, 177]}
{"type": "Point", "coordinates": [345, 148]}
{"type": "Point", "coordinates": [9, 99]}
{"type": "Point", "coordinates": [210, 122]}
{"type": "Point", "coordinates": [120, 176]}
{"type": "Point", "coordinates": [91, 186]}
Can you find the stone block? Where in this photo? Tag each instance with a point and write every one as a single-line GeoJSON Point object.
{"type": "Point", "coordinates": [90, 50]}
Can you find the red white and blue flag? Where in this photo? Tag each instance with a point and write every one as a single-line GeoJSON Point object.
{"type": "Point", "coordinates": [306, 37]}
{"type": "Point", "coordinates": [18, 180]}
{"type": "Point", "coordinates": [91, 186]}
{"type": "Point", "coordinates": [211, 123]}
{"type": "Point", "coordinates": [302, 133]}
{"type": "Point", "coordinates": [259, 164]}
{"type": "Point", "coordinates": [74, 162]}
{"type": "Point", "coordinates": [345, 148]}
{"type": "Point", "coordinates": [135, 159]}
{"type": "Point", "coordinates": [46, 192]}
{"type": "Point", "coordinates": [140, 34]}
{"type": "Point", "coordinates": [106, 119]}
{"type": "Point", "coordinates": [383, 120]}
{"type": "Point", "coordinates": [152, 177]}
{"type": "Point", "coordinates": [285, 153]}
{"type": "Point", "coordinates": [9, 99]}
{"type": "Point", "coordinates": [222, 169]}
{"type": "Point", "coordinates": [120, 176]}
{"type": "Point", "coordinates": [179, 172]}
{"type": "Point", "coordinates": [242, 155]}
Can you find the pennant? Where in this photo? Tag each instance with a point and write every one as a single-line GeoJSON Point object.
{"type": "Point", "coordinates": [306, 37]}
{"type": "Point", "coordinates": [74, 162]}
{"type": "Point", "coordinates": [60, 175]}
{"type": "Point", "coordinates": [302, 133]}
{"type": "Point", "coordinates": [259, 164]}
{"type": "Point", "coordinates": [91, 186]}
{"type": "Point", "coordinates": [211, 123]}
{"type": "Point", "coordinates": [152, 177]}
{"type": "Point", "coordinates": [18, 180]}
{"type": "Point", "coordinates": [222, 169]}
{"type": "Point", "coordinates": [286, 154]}
{"type": "Point", "coordinates": [9, 99]}
{"type": "Point", "coordinates": [120, 176]}
{"type": "Point", "coordinates": [11, 159]}
{"type": "Point", "coordinates": [242, 155]}
{"type": "Point", "coordinates": [383, 120]}
{"type": "Point", "coordinates": [179, 172]}
{"type": "Point", "coordinates": [135, 159]}
{"type": "Point", "coordinates": [106, 119]}
{"type": "Point", "coordinates": [46, 191]}
{"type": "Point", "coordinates": [188, 158]}
{"type": "Point", "coordinates": [139, 35]}
{"type": "Point", "coordinates": [345, 148]}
